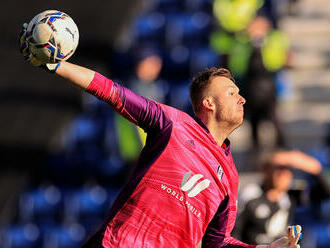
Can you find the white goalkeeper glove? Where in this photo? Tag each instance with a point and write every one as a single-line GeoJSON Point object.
{"type": "Point", "coordinates": [24, 49]}
{"type": "Point", "coordinates": [291, 240]}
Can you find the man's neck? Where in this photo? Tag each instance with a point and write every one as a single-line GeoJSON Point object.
{"type": "Point", "coordinates": [219, 130]}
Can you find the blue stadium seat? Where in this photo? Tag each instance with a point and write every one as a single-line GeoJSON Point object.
{"type": "Point", "coordinates": [111, 137]}
{"type": "Point", "coordinates": [87, 203]}
{"type": "Point", "coordinates": [188, 28]}
{"type": "Point", "coordinates": [21, 236]}
{"type": "Point", "coordinates": [323, 155]}
{"type": "Point", "coordinates": [322, 232]}
{"type": "Point", "coordinates": [168, 6]}
{"type": "Point", "coordinates": [199, 5]}
{"type": "Point", "coordinates": [91, 147]}
{"type": "Point", "coordinates": [96, 108]}
{"type": "Point", "coordinates": [121, 63]}
{"type": "Point", "coordinates": [203, 57]}
{"type": "Point", "coordinates": [84, 141]}
{"type": "Point", "coordinates": [41, 205]}
{"type": "Point", "coordinates": [179, 95]}
{"type": "Point", "coordinates": [176, 63]}
{"type": "Point", "coordinates": [84, 129]}
{"type": "Point", "coordinates": [325, 210]}
{"type": "Point", "coordinates": [110, 166]}
{"type": "Point", "coordinates": [68, 235]}
{"type": "Point", "coordinates": [150, 27]}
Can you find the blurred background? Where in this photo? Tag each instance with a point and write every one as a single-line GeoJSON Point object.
{"type": "Point", "coordinates": [65, 155]}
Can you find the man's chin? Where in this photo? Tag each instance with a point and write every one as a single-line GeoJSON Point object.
{"type": "Point", "coordinates": [238, 123]}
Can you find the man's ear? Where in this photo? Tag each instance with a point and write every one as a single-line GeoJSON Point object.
{"type": "Point", "coordinates": [208, 103]}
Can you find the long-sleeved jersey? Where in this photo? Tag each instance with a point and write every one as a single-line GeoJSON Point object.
{"type": "Point", "coordinates": [184, 187]}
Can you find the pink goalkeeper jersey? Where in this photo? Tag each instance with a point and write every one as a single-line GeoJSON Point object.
{"type": "Point", "coordinates": [184, 187]}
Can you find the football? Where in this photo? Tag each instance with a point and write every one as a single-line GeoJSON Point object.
{"type": "Point", "coordinates": [52, 36]}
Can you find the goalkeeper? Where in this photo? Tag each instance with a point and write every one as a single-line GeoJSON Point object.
{"type": "Point", "coordinates": [184, 188]}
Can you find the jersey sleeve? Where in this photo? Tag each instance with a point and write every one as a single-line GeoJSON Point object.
{"type": "Point", "coordinates": [231, 242]}
{"type": "Point", "coordinates": [224, 242]}
{"type": "Point", "coordinates": [218, 232]}
{"type": "Point", "coordinates": [141, 111]}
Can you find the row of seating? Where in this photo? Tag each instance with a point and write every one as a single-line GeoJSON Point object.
{"type": "Point", "coordinates": [50, 204]}
{"type": "Point", "coordinates": [179, 6]}
{"type": "Point", "coordinates": [171, 29]}
{"type": "Point", "coordinates": [30, 235]}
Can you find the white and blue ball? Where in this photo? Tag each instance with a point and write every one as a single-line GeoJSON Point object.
{"type": "Point", "coordinates": [52, 36]}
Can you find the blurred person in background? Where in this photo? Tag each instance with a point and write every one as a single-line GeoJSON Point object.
{"type": "Point", "coordinates": [268, 56]}
{"type": "Point", "coordinates": [255, 51]}
{"type": "Point", "coordinates": [265, 210]}
{"type": "Point", "coordinates": [145, 81]}
{"type": "Point", "coordinates": [148, 66]}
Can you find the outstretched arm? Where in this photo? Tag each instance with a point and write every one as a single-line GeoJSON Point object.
{"type": "Point", "coordinates": [137, 109]}
{"type": "Point", "coordinates": [141, 111]}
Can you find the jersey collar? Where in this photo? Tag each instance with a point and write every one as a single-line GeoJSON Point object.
{"type": "Point", "coordinates": [225, 145]}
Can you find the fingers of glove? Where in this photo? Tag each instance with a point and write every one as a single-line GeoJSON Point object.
{"type": "Point", "coordinates": [298, 228]}
{"type": "Point", "coordinates": [297, 231]}
{"type": "Point", "coordinates": [23, 30]}
{"type": "Point", "coordinates": [22, 34]}
{"type": "Point", "coordinates": [23, 44]}
{"type": "Point", "coordinates": [297, 238]}
{"type": "Point", "coordinates": [33, 61]}
{"type": "Point", "coordinates": [24, 48]}
{"type": "Point", "coordinates": [294, 234]}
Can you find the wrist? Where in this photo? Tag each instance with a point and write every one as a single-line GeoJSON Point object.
{"type": "Point", "coordinates": [52, 67]}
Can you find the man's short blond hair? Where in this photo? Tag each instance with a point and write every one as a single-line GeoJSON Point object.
{"type": "Point", "coordinates": [201, 82]}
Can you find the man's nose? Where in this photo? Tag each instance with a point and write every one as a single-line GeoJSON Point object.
{"type": "Point", "coordinates": [242, 100]}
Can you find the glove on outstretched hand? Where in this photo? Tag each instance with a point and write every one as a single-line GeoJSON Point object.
{"type": "Point", "coordinates": [24, 49]}
{"type": "Point", "coordinates": [294, 235]}
{"type": "Point", "coordinates": [289, 241]}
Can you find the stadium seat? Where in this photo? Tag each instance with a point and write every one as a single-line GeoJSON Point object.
{"type": "Point", "coordinates": [150, 27]}
{"type": "Point", "coordinates": [84, 129]}
{"type": "Point", "coordinates": [21, 236]}
{"type": "Point", "coordinates": [325, 210]}
{"type": "Point", "coordinates": [199, 5]}
{"type": "Point", "coordinates": [179, 95]}
{"type": "Point", "coordinates": [168, 6]}
{"type": "Point", "coordinates": [121, 63]}
{"type": "Point", "coordinates": [176, 63]}
{"type": "Point", "coordinates": [84, 141]}
{"type": "Point", "coordinates": [92, 106]}
{"type": "Point", "coordinates": [90, 147]}
{"type": "Point", "coordinates": [111, 137]}
{"type": "Point", "coordinates": [203, 57]}
{"type": "Point", "coordinates": [322, 153]}
{"type": "Point", "coordinates": [68, 235]}
{"type": "Point", "coordinates": [41, 205]}
{"type": "Point", "coordinates": [322, 232]}
{"type": "Point", "coordinates": [109, 166]}
{"type": "Point", "coordinates": [89, 202]}
{"type": "Point", "coordinates": [188, 28]}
